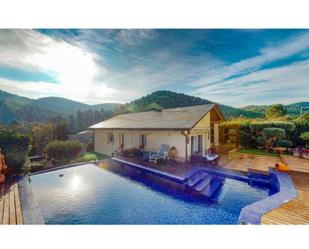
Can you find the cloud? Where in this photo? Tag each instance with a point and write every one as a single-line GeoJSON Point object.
{"type": "Point", "coordinates": [134, 37]}
{"type": "Point", "coordinates": [268, 54]}
{"type": "Point", "coordinates": [36, 89]}
{"type": "Point", "coordinates": [96, 66]}
{"type": "Point", "coordinates": [285, 84]}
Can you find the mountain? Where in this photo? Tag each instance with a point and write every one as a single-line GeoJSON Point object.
{"type": "Point", "coordinates": [167, 99]}
{"type": "Point", "coordinates": [293, 109]}
{"type": "Point", "coordinates": [298, 108]}
{"type": "Point", "coordinates": [14, 107]}
{"type": "Point", "coordinates": [12, 101]}
{"type": "Point", "coordinates": [67, 106]}
{"type": "Point", "coordinates": [61, 105]}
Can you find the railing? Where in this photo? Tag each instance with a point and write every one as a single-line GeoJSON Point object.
{"type": "Point", "coordinates": [118, 151]}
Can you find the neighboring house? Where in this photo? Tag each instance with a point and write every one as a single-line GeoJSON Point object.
{"type": "Point", "coordinates": [85, 137]}
{"type": "Point", "coordinates": [190, 130]}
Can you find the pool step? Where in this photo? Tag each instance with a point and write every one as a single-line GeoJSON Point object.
{"type": "Point", "coordinates": [196, 179]}
{"type": "Point", "coordinates": [202, 184]}
{"type": "Point", "coordinates": [211, 188]}
{"type": "Point", "coordinates": [258, 179]}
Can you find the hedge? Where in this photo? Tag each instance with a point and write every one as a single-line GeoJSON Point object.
{"type": "Point", "coordinates": [260, 126]}
{"type": "Point", "coordinates": [61, 150]}
{"type": "Point", "coordinates": [284, 143]}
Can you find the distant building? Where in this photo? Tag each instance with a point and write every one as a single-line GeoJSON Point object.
{"type": "Point", "coordinates": [85, 137]}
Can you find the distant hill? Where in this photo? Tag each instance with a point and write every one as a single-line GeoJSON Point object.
{"type": "Point", "coordinates": [14, 107]}
{"type": "Point", "coordinates": [67, 106]}
{"type": "Point", "coordinates": [12, 101]}
{"type": "Point", "coordinates": [168, 99]}
{"type": "Point", "coordinates": [293, 109]}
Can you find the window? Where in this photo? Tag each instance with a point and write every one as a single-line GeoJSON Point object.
{"type": "Point", "coordinates": [110, 138]}
{"type": "Point", "coordinates": [143, 141]}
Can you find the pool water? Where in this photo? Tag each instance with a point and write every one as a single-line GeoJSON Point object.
{"type": "Point", "coordinates": [88, 194]}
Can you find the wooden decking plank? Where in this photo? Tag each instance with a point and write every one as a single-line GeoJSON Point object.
{"type": "Point", "coordinates": [2, 189]}
{"type": "Point", "coordinates": [12, 205]}
{"type": "Point", "coordinates": [6, 209]}
{"type": "Point", "coordinates": [19, 215]}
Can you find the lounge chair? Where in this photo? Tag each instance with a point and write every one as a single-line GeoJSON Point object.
{"type": "Point", "coordinates": [211, 157]}
{"type": "Point", "coordinates": [162, 154]}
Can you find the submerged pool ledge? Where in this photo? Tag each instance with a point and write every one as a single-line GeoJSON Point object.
{"type": "Point", "coordinates": [281, 182]}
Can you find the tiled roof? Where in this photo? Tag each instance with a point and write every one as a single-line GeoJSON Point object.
{"type": "Point", "coordinates": [175, 118]}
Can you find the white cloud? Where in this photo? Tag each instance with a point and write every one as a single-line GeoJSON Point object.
{"type": "Point", "coordinates": [134, 37]}
{"type": "Point", "coordinates": [94, 95]}
{"type": "Point", "coordinates": [284, 84]}
{"type": "Point", "coordinates": [76, 69]}
{"type": "Point", "coordinates": [269, 54]}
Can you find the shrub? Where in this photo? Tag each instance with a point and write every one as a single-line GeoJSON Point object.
{"type": "Point", "coordinates": [260, 126]}
{"type": "Point", "coordinates": [305, 136]}
{"type": "Point", "coordinates": [260, 141]}
{"type": "Point", "coordinates": [273, 133]}
{"type": "Point", "coordinates": [246, 139]}
{"type": "Point", "coordinates": [90, 147]}
{"type": "Point", "coordinates": [15, 147]}
{"type": "Point", "coordinates": [284, 143]}
{"type": "Point", "coordinates": [61, 150]}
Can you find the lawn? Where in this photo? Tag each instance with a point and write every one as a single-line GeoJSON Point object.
{"type": "Point", "coordinates": [89, 156]}
{"type": "Point", "coordinates": [258, 152]}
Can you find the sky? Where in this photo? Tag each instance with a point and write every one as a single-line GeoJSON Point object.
{"type": "Point", "coordinates": [233, 67]}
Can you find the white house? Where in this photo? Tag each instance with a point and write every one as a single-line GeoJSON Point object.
{"type": "Point", "coordinates": [190, 130]}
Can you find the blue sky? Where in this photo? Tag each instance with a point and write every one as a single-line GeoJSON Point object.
{"type": "Point", "coordinates": [234, 67]}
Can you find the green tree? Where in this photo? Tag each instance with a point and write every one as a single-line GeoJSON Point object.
{"type": "Point", "coordinates": [42, 134]}
{"type": "Point", "coordinates": [15, 147]}
{"type": "Point", "coordinates": [305, 136]}
{"type": "Point", "coordinates": [271, 135]}
{"type": "Point", "coordinates": [275, 111]}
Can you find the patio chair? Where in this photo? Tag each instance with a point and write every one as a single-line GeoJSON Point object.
{"type": "Point", "coordinates": [211, 156]}
{"type": "Point", "coordinates": [162, 154]}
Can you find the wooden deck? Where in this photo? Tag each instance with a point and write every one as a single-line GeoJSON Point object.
{"type": "Point", "coordinates": [296, 163]}
{"type": "Point", "coordinates": [295, 211]}
{"type": "Point", "coordinates": [10, 208]}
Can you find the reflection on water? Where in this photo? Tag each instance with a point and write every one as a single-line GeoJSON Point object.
{"type": "Point", "coordinates": [75, 183]}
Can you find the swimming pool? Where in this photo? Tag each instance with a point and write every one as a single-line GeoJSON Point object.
{"type": "Point", "coordinates": [88, 194]}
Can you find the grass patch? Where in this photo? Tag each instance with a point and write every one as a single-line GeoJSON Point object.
{"type": "Point", "coordinates": [258, 152]}
{"type": "Point", "coordinates": [89, 156]}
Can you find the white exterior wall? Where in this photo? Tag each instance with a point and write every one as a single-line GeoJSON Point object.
{"type": "Point", "coordinates": [201, 128]}
{"type": "Point", "coordinates": [157, 137]}
{"type": "Point", "coordinates": [132, 140]}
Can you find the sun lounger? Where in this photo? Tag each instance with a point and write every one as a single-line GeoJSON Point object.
{"type": "Point", "coordinates": [162, 154]}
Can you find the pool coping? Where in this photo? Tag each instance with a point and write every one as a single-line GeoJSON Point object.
{"type": "Point", "coordinates": [252, 213]}
{"type": "Point", "coordinates": [30, 208]}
